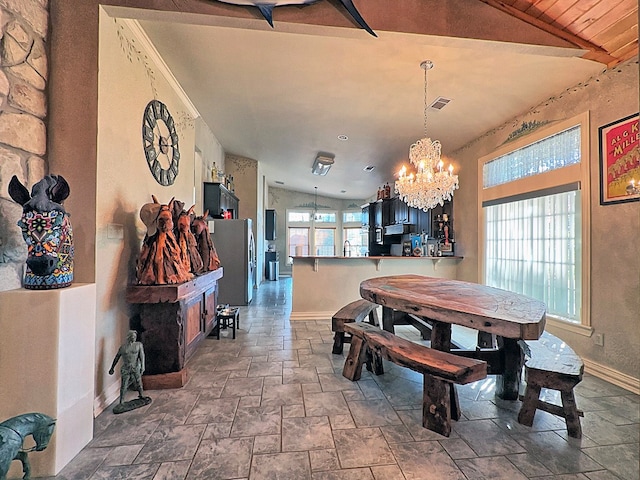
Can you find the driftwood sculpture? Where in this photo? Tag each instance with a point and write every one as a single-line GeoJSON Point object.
{"type": "Point", "coordinates": [12, 434]}
{"type": "Point", "coordinates": [47, 231]}
{"type": "Point", "coordinates": [207, 250]}
{"type": "Point", "coordinates": [189, 253]}
{"type": "Point", "coordinates": [159, 261]}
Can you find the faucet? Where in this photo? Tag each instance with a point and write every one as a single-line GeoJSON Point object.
{"type": "Point", "coordinates": [346, 248]}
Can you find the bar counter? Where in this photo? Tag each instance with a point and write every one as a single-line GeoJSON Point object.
{"type": "Point", "coordinates": [323, 285]}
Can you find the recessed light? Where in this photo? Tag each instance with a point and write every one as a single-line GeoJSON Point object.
{"type": "Point", "coordinates": [369, 168]}
{"type": "Point", "coordinates": [344, 138]}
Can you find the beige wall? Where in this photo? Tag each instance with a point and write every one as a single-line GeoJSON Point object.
{"type": "Point", "coordinates": [129, 78]}
{"type": "Point", "coordinates": [615, 250]}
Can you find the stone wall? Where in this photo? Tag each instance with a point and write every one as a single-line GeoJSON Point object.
{"type": "Point", "coordinates": [23, 114]}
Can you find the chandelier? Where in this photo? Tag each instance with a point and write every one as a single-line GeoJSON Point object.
{"type": "Point", "coordinates": [431, 185]}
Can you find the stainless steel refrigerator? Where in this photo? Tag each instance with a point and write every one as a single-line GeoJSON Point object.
{"type": "Point", "coordinates": [236, 248]}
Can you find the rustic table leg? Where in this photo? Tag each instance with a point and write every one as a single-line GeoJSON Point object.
{"type": "Point", "coordinates": [508, 384]}
{"type": "Point", "coordinates": [356, 357]}
{"type": "Point", "coordinates": [436, 410]}
{"type": "Point", "coordinates": [441, 340]}
{"type": "Point", "coordinates": [338, 343]}
{"type": "Point", "coordinates": [571, 415]}
{"type": "Point", "coordinates": [529, 404]}
{"type": "Point", "coordinates": [387, 319]}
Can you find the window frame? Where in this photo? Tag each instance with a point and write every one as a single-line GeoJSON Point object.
{"type": "Point", "coordinates": [578, 173]}
{"type": "Point", "coordinates": [353, 226]}
{"type": "Point", "coordinates": [312, 225]}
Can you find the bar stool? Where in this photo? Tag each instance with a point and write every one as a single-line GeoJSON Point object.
{"type": "Point", "coordinates": [228, 317]}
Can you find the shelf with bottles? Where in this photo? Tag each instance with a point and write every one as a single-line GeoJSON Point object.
{"type": "Point", "coordinates": [218, 176]}
{"type": "Point", "coordinates": [443, 234]}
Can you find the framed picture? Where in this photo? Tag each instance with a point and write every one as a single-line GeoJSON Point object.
{"type": "Point", "coordinates": [620, 161]}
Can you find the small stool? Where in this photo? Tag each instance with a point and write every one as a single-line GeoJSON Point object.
{"type": "Point", "coordinates": [228, 317]}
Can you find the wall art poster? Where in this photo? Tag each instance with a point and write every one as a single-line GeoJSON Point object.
{"type": "Point", "coordinates": [620, 161]}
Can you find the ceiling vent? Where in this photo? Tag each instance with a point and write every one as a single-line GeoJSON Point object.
{"type": "Point", "coordinates": [439, 103]}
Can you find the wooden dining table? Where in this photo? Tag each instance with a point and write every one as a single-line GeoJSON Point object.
{"type": "Point", "coordinates": [441, 303]}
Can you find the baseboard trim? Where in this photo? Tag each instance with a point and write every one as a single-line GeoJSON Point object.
{"type": "Point", "coordinates": [297, 316]}
{"type": "Point", "coordinates": [620, 379]}
{"type": "Point", "coordinates": [106, 398]}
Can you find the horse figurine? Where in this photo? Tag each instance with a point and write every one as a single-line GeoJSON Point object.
{"type": "Point", "coordinates": [187, 242]}
{"type": "Point", "coordinates": [207, 250]}
{"type": "Point", "coordinates": [47, 231]}
{"type": "Point", "coordinates": [159, 261]}
{"type": "Point", "coordinates": [12, 434]}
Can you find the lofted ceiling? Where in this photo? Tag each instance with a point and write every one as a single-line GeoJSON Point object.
{"type": "Point", "coordinates": [282, 95]}
{"type": "Point", "coordinates": [607, 29]}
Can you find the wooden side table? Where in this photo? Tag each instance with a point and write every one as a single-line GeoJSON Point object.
{"type": "Point", "coordinates": [228, 317]}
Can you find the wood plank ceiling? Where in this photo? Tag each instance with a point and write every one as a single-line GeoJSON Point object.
{"type": "Point", "coordinates": [607, 29]}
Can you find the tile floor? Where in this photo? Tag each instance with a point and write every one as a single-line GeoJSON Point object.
{"type": "Point", "coordinates": [273, 404]}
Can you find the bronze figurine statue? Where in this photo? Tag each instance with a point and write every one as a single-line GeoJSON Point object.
{"type": "Point", "coordinates": [132, 354]}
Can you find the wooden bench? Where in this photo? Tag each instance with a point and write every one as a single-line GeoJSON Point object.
{"type": "Point", "coordinates": [439, 369]}
{"type": "Point", "coordinates": [551, 363]}
{"type": "Point", "coordinates": [352, 313]}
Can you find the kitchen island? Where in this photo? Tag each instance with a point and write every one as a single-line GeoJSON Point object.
{"type": "Point", "coordinates": [323, 285]}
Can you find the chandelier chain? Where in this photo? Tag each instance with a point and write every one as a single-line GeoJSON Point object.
{"type": "Point", "coordinates": [426, 67]}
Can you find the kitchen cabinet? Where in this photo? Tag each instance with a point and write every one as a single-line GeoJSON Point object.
{"type": "Point", "coordinates": [395, 212]}
{"type": "Point", "coordinates": [365, 216]}
{"type": "Point", "coordinates": [220, 201]}
{"type": "Point", "coordinates": [376, 213]}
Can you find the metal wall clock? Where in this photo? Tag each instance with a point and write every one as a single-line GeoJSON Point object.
{"type": "Point", "coordinates": [160, 142]}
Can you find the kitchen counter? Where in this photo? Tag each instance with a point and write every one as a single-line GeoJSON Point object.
{"type": "Point", "coordinates": [323, 285]}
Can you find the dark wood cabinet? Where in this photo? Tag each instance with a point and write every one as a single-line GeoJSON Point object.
{"type": "Point", "coordinates": [270, 218]}
{"type": "Point", "coordinates": [390, 220]}
{"type": "Point", "coordinates": [174, 319]}
{"type": "Point", "coordinates": [395, 212]}
{"type": "Point", "coordinates": [220, 201]}
{"type": "Point", "coordinates": [365, 216]}
{"type": "Point", "coordinates": [401, 211]}
{"type": "Point", "coordinates": [376, 214]}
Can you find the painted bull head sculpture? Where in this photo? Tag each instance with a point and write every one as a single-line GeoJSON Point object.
{"type": "Point", "coordinates": [47, 231]}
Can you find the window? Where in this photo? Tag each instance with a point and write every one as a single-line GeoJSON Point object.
{"type": "Point", "coordinates": [532, 224]}
{"type": "Point", "coordinates": [298, 241]}
{"type": "Point", "coordinates": [352, 233]}
{"type": "Point", "coordinates": [358, 244]}
{"type": "Point", "coordinates": [310, 233]}
{"type": "Point", "coordinates": [325, 241]}
{"type": "Point", "coordinates": [352, 217]}
{"type": "Point", "coordinates": [327, 217]}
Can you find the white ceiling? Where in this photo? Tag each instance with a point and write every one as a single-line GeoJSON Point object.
{"type": "Point", "coordinates": [282, 95]}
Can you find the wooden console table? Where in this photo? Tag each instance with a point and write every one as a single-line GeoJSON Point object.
{"type": "Point", "coordinates": [174, 320]}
